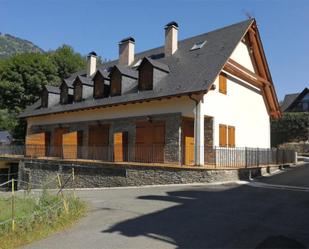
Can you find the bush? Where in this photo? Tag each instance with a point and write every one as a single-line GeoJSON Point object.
{"type": "Point", "coordinates": [292, 127]}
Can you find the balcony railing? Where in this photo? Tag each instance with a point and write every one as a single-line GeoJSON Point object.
{"type": "Point", "coordinates": [215, 157]}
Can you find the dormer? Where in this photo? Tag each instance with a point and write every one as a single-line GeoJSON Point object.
{"type": "Point", "coordinates": [50, 96]}
{"type": "Point", "coordinates": [101, 84]}
{"type": "Point", "coordinates": [66, 92]}
{"type": "Point", "coordinates": [83, 88]}
{"type": "Point", "coordinates": [150, 72]}
{"type": "Point", "coordinates": [123, 80]}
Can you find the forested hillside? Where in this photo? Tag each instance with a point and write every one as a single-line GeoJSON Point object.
{"type": "Point", "coordinates": [11, 45]}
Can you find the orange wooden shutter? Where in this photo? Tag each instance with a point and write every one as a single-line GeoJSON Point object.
{"type": "Point", "coordinates": [70, 143]}
{"type": "Point", "coordinates": [35, 145]}
{"type": "Point", "coordinates": [222, 83]}
{"type": "Point", "coordinates": [231, 136]}
{"type": "Point", "coordinates": [120, 146]}
{"type": "Point", "coordinates": [222, 135]}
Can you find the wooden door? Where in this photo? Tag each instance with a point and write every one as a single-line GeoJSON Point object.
{"type": "Point", "coordinates": [150, 140]}
{"type": "Point", "coordinates": [98, 142]}
{"type": "Point", "coordinates": [188, 141]}
{"type": "Point", "coordinates": [120, 146]}
{"type": "Point", "coordinates": [57, 141]}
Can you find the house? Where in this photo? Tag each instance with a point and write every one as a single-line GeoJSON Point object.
{"type": "Point", "coordinates": [5, 138]}
{"type": "Point", "coordinates": [296, 102]}
{"type": "Point", "coordinates": [171, 104]}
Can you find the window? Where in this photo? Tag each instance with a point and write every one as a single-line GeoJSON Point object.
{"type": "Point", "coordinates": [222, 83]}
{"type": "Point", "coordinates": [226, 136]}
{"type": "Point", "coordinates": [198, 45]}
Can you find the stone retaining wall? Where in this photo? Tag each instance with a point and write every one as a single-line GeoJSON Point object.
{"type": "Point", "coordinates": [40, 172]}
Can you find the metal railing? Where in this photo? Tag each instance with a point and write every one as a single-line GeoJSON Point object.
{"type": "Point", "coordinates": [217, 157]}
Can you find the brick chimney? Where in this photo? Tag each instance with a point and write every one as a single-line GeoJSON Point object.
{"type": "Point", "coordinates": [126, 51]}
{"type": "Point", "coordinates": [171, 38]}
{"type": "Point", "coordinates": [91, 63]}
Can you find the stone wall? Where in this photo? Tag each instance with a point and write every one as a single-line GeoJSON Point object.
{"type": "Point", "coordinates": [44, 173]}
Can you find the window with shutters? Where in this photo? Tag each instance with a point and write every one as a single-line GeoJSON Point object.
{"type": "Point", "coordinates": [231, 136]}
{"type": "Point", "coordinates": [222, 83]}
{"type": "Point", "coordinates": [222, 135]}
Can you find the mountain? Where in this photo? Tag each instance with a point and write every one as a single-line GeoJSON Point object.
{"type": "Point", "coordinates": [10, 45]}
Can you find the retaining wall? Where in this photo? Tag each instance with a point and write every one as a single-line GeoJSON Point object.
{"type": "Point", "coordinates": [90, 175]}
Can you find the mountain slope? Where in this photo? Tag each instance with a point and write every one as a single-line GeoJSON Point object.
{"type": "Point", "coordinates": [10, 45]}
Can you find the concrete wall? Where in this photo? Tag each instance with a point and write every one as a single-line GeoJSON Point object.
{"type": "Point", "coordinates": [243, 107]}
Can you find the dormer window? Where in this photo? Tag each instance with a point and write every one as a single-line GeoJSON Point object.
{"type": "Point", "coordinates": [66, 92]}
{"type": "Point", "coordinates": [50, 96]}
{"type": "Point", "coordinates": [123, 80]}
{"type": "Point", "coordinates": [83, 88]}
{"type": "Point", "coordinates": [150, 72]}
{"type": "Point", "coordinates": [101, 84]}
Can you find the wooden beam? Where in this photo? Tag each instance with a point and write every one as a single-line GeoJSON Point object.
{"type": "Point", "coordinates": [246, 70]}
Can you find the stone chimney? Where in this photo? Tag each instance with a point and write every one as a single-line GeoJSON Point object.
{"type": "Point", "coordinates": [126, 51]}
{"type": "Point", "coordinates": [171, 38]}
{"type": "Point", "coordinates": [91, 63]}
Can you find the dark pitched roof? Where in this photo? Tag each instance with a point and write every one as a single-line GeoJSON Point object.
{"type": "Point", "coordinates": [84, 80]}
{"type": "Point", "coordinates": [53, 89]}
{"type": "Point", "coordinates": [291, 99]}
{"type": "Point", "coordinates": [157, 64]}
{"type": "Point", "coordinates": [126, 71]}
{"type": "Point", "coordinates": [103, 72]}
{"type": "Point", "coordinates": [288, 100]}
{"type": "Point", "coordinates": [190, 71]}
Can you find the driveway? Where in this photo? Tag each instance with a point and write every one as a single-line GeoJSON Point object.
{"type": "Point", "coordinates": [223, 216]}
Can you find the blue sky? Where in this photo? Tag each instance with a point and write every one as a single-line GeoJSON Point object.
{"type": "Point", "coordinates": [100, 24]}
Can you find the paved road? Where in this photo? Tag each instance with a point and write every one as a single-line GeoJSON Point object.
{"type": "Point", "coordinates": [225, 216]}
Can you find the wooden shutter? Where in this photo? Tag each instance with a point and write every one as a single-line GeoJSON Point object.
{"type": "Point", "coordinates": [57, 141]}
{"type": "Point", "coordinates": [222, 83]}
{"type": "Point", "coordinates": [120, 146]}
{"type": "Point", "coordinates": [70, 143]}
{"type": "Point", "coordinates": [98, 142]}
{"type": "Point", "coordinates": [231, 136]}
{"type": "Point", "coordinates": [35, 145]}
{"type": "Point", "coordinates": [222, 135]}
{"type": "Point", "coordinates": [188, 141]}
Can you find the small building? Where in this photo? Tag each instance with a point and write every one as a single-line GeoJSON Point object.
{"type": "Point", "coordinates": [296, 102]}
{"type": "Point", "coordinates": [5, 138]}
{"type": "Point", "coordinates": [171, 104]}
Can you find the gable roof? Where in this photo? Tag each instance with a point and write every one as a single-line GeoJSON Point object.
{"type": "Point", "coordinates": [291, 99]}
{"type": "Point", "coordinates": [84, 80]}
{"type": "Point", "coordinates": [155, 64]}
{"type": "Point", "coordinates": [191, 71]}
{"type": "Point", "coordinates": [125, 71]}
{"type": "Point", "coordinates": [52, 89]}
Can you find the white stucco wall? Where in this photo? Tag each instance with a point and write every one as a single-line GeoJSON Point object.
{"type": "Point", "coordinates": [243, 107]}
{"type": "Point", "coordinates": [183, 105]}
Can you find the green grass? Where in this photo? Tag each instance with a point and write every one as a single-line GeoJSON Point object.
{"type": "Point", "coordinates": [37, 218]}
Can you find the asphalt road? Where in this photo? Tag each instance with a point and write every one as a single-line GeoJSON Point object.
{"type": "Point", "coordinates": [225, 216]}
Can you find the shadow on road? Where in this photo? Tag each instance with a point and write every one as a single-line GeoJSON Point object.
{"type": "Point", "coordinates": [240, 217]}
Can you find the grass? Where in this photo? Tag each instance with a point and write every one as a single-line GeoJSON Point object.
{"type": "Point", "coordinates": [37, 217]}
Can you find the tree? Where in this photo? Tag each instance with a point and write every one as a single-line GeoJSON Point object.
{"type": "Point", "coordinates": [23, 76]}
{"type": "Point", "coordinates": [67, 61]}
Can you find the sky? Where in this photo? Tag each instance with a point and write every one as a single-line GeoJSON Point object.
{"type": "Point", "coordinates": [99, 25]}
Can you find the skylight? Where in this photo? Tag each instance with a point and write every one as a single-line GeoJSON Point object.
{"type": "Point", "coordinates": [198, 45]}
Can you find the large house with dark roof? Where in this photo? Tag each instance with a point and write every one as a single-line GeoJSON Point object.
{"type": "Point", "coordinates": [296, 102]}
{"type": "Point", "coordinates": [170, 104]}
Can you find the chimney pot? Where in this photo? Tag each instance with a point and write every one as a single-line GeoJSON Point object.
{"type": "Point", "coordinates": [126, 51]}
{"type": "Point", "coordinates": [171, 38]}
{"type": "Point", "coordinates": [91, 63]}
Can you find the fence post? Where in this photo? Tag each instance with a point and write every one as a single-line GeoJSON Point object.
{"type": "Point", "coordinates": [246, 163]}
{"type": "Point", "coordinates": [13, 205]}
{"type": "Point", "coordinates": [73, 179]}
{"type": "Point", "coordinates": [62, 195]}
